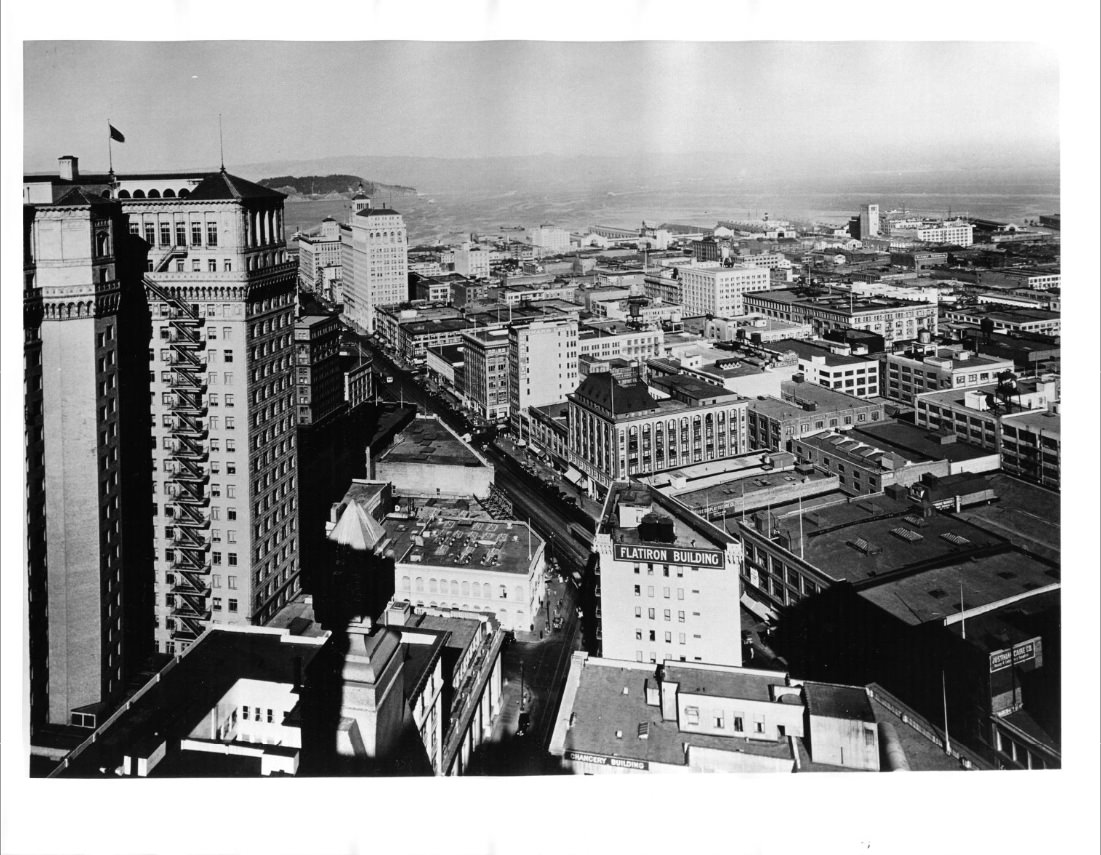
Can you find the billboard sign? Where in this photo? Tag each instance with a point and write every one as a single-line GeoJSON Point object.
{"type": "Point", "coordinates": [605, 760]}
{"type": "Point", "coordinates": [713, 558]}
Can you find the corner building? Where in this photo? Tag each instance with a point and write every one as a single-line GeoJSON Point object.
{"type": "Point", "coordinates": [222, 297]}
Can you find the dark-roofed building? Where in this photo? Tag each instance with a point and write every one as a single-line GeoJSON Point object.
{"type": "Point", "coordinates": [429, 459]}
{"type": "Point", "coordinates": [908, 439]}
{"type": "Point", "coordinates": [860, 466]}
{"type": "Point", "coordinates": [620, 427]}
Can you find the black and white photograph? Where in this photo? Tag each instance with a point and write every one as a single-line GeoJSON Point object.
{"type": "Point", "coordinates": [557, 398]}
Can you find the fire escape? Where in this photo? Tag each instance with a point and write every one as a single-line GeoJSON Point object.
{"type": "Point", "coordinates": [190, 506]}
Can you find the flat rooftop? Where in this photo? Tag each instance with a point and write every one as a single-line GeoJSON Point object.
{"type": "Point", "coordinates": [1037, 421]}
{"type": "Point", "coordinates": [828, 402]}
{"type": "Point", "coordinates": [742, 683]}
{"type": "Point", "coordinates": [859, 450]}
{"type": "Point", "coordinates": [601, 710]}
{"type": "Point", "coordinates": [689, 528]}
{"type": "Point", "coordinates": [477, 544]}
{"type": "Point", "coordinates": [1026, 514]}
{"type": "Point", "coordinates": [749, 484]}
{"type": "Point", "coordinates": [807, 352]}
{"type": "Point", "coordinates": [428, 441]}
{"type": "Point", "coordinates": [933, 594]}
{"type": "Point", "coordinates": [837, 302]}
{"type": "Point", "coordinates": [910, 440]}
{"type": "Point", "coordinates": [859, 541]}
{"type": "Point", "coordinates": [189, 688]}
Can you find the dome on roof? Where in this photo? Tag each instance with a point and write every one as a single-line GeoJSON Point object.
{"type": "Point", "coordinates": [361, 194]}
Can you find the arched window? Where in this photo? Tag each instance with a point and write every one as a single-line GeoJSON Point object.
{"type": "Point", "coordinates": [106, 194]}
{"type": "Point", "coordinates": [432, 589]}
{"type": "Point", "coordinates": [475, 590]}
{"type": "Point", "coordinates": [139, 194]}
{"type": "Point", "coordinates": [454, 589]}
{"type": "Point", "coordinates": [154, 194]}
{"type": "Point", "coordinates": [124, 194]}
{"type": "Point", "coordinates": [466, 589]}
{"type": "Point", "coordinates": [169, 193]}
{"type": "Point", "coordinates": [101, 244]}
{"type": "Point", "coordinates": [405, 583]}
{"type": "Point", "coordinates": [420, 585]}
{"type": "Point", "coordinates": [184, 194]}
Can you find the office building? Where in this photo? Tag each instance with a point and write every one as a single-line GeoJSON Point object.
{"type": "Point", "coordinates": [1007, 319]}
{"type": "Point", "coordinates": [374, 247]}
{"type": "Point", "coordinates": [548, 240]}
{"type": "Point", "coordinates": [319, 252]}
{"type": "Point", "coordinates": [820, 365]}
{"type": "Point", "coordinates": [720, 290]}
{"type": "Point", "coordinates": [891, 318]}
{"type": "Point", "coordinates": [927, 367]}
{"type": "Point", "coordinates": [619, 428]}
{"type": "Point", "coordinates": [486, 373]}
{"type": "Point", "coordinates": [86, 400]}
{"type": "Point", "coordinates": [428, 459]}
{"type": "Point", "coordinates": [804, 409]}
{"type": "Point", "coordinates": [668, 581]}
{"type": "Point", "coordinates": [542, 366]}
{"type": "Point", "coordinates": [318, 375]}
{"type": "Point", "coordinates": [221, 295]}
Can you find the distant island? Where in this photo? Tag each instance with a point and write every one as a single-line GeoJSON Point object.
{"type": "Point", "coordinates": [329, 186]}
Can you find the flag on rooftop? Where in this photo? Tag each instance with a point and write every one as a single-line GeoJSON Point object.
{"type": "Point", "coordinates": [116, 134]}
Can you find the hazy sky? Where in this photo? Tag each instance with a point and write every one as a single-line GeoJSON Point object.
{"type": "Point", "coordinates": [284, 100]}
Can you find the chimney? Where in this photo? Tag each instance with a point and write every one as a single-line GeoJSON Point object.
{"type": "Point", "coordinates": [67, 167]}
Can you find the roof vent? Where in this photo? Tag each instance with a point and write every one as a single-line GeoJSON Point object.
{"type": "Point", "coordinates": [625, 690]}
{"type": "Point", "coordinates": [619, 734]}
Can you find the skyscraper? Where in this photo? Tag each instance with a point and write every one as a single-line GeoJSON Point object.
{"type": "Point", "coordinates": [86, 458]}
{"type": "Point", "coordinates": [869, 221]}
{"type": "Point", "coordinates": [374, 257]}
{"type": "Point", "coordinates": [204, 376]}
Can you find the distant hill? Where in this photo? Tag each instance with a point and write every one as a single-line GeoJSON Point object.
{"type": "Point", "coordinates": [321, 186]}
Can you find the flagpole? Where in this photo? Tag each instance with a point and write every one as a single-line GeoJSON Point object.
{"type": "Point", "coordinates": [110, 152]}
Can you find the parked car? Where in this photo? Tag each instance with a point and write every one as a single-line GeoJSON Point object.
{"type": "Point", "coordinates": [524, 724]}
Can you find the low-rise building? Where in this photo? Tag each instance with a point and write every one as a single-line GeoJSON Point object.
{"type": "Point", "coordinates": [623, 717]}
{"type": "Point", "coordinates": [319, 251]}
{"type": "Point", "coordinates": [909, 441]}
{"type": "Point", "coordinates": [1007, 318]}
{"type": "Point", "coordinates": [853, 375]}
{"type": "Point", "coordinates": [804, 409]}
{"type": "Point", "coordinates": [889, 317]}
{"type": "Point", "coordinates": [492, 567]}
{"type": "Point", "coordinates": [862, 468]}
{"type": "Point", "coordinates": [927, 367]}
{"type": "Point", "coordinates": [429, 459]}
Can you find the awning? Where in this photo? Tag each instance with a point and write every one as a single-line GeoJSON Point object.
{"type": "Point", "coordinates": [760, 609]}
{"type": "Point", "coordinates": [573, 476]}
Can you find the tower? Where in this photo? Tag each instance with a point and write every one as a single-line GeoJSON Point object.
{"type": "Point", "coordinates": [86, 463]}
{"type": "Point", "coordinates": [374, 257]}
{"type": "Point", "coordinates": [869, 221]}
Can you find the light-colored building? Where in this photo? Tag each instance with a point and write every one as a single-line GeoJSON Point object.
{"type": "Point", "coordinates": [468, 260]}
{"type": "Point", "coordinates": [220, 423]}
{"type": "Point", "coordinates": [626, 717]}
{"type": "Point", "coordinates": [1025, 432]}
{"type": "Point", "coordinates": [854, 375]}
{"type": "Point", "coordinates": [720, 290]}
{"type": "Point", "coordinates": [869, 221]}
{"type": "Point", "coordinates": [542, 366]}
{"type": "Point", "coordinates": [492, 567]}
{"type": "Point", "coordinates": [317, 252]}
{"type": "Point", "coordinates": [891, 318]}
{"type": "Point", "coordinates": [608, 340]}
{"type": "Point", "coordinates": [1008, 319]}
{"type": "Point", "coordinates": [621, 428]}
{"type": "Point", "coordinates": [486, 372]}
{"type": "Point", "coordinates": [926, 367]}
{"type": "Point", "coordinates": [669, 581]}
{"type": "Point", "coordinates": [549, 240]}
{"type": "Point", "coordinates": [374, 247]}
